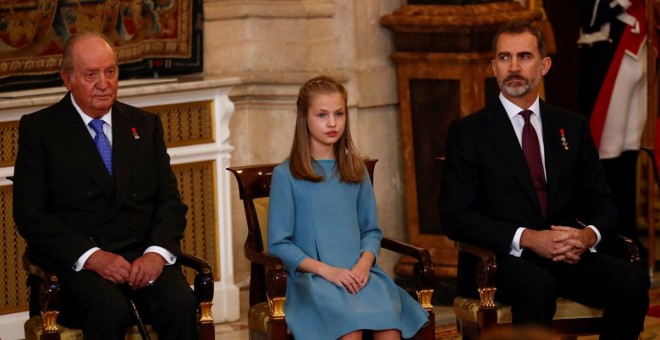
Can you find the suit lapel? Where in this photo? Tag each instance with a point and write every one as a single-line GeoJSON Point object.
{"type": "Point", "coordinates": [124, 148]}
{"type": "Point", "coordinates": [77, 138]}
{"type": "Point", "coordinates": [503, 137]}
{"type": "Point", "coordinates": [553, 149]}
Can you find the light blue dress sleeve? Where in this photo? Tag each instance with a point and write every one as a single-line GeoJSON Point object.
{"type": "Point", "coordinates": [281, 220]}
{"type": "Point", "coordinates": [370, 233]}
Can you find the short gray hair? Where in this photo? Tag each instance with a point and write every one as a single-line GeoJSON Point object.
{"type": "Point", "coordinates": [67, 54]}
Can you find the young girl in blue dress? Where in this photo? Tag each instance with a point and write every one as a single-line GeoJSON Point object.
{"type": "Point", "coordinates": [322, 223]}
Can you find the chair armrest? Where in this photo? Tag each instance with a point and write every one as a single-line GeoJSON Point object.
{"type": "Point", "coordinates": [48, 291]}
{"type": "Point", "coordinates": [195, 263]}
{"type": "Point", "coordinates": [629, 249]}
{"type": "Point", "coordinates": [275, 280]}
{"type": "Point", "coordinates": [268, 261]}
{"type": "Point", "coordinates": [423, 270]}
{"type": "Point", "coordinates": [203, 284]}
{"type": "Point", "coordinates": [275, 273]}
{"type": "Point", "coordinates": [650, 151]}
{"type": "Point", "coordinates": [486, 271]}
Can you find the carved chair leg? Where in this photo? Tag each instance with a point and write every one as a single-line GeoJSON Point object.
{"type": "Point", "coordinates": [487, 318]}
{"type": "Point", "coordinates": [428, 331]}
{"type": "Point", "coordinates": [424, 298]}
{"type": "Point", "coordinates": [206, 331]}
{"type": "Point", "coordinates": [277, 329]}
{"type": "Point", "coordinates": [206, 326]}
{"type": "Point", "coordinates": [50, 336]}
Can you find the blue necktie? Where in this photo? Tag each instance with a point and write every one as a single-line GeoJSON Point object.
{"type": "Point", "coordinates": [102, 143]}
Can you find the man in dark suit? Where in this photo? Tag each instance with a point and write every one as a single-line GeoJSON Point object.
{"type": "Point", "coordinates": [517, 182]}
{"type": "Point", "coordinates": [97, 201]}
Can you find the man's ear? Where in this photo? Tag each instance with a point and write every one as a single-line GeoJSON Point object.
{"type": "Point", "coordinates": [545, 65]}
{"type": "Point", "coordinates": [65, 79]}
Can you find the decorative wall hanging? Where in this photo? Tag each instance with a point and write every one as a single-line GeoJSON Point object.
{"type": "Point", "coordinates": [152, 37]}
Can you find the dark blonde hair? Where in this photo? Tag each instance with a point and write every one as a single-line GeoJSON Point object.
{"type": "Point", "coordinates": [348, 162]}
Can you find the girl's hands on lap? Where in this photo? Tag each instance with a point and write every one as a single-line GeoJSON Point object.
{"type": "Point", "coordinates": [361, 272]}
{"type": "Point", "coordinates": [343, 278]}
{"type": "Point", "coordinates": [362, 268]}
{"type": "Point", "coordinates": [352, 279]}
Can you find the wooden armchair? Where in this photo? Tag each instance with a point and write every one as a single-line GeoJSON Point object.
{"type": "Point", "coordinates": [650, 219]}
{"type": "Point", "coordinates": [45, 296]}
{"type": "Point", "coordinates": [474, 316]}
{"type": "Point", "coordinates": [266, 318]}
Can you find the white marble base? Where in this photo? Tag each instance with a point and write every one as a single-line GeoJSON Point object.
{"type": "Point", "coordinates": [11, 326]}
{"type": "Point", "coordinates": [226, 303]}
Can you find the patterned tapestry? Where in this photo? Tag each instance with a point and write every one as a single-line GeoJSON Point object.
{"type": "Point", "coordinates": [152, 37]}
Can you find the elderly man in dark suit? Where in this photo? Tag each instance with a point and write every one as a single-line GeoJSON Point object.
{"type": "Point", "coordinates": [518, 176]}
{"type": "Point", "coordinates": [97, 201]}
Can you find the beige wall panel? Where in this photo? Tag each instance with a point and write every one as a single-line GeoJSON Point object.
{"type": "Point", "coordinates": [260, 133]}
{"type": "Point", "coordinates": [383, 141]}
{"type": "Point", "coordinates": [225, 48]}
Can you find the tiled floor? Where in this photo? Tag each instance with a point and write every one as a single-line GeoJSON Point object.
{"type": "Point", "coordinates": [236, 330]}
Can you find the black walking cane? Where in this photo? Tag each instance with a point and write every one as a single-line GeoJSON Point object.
{"type": "Point", "coordinates": [126, 290]}
{"type": "Point", "coordinates": [138, 320]}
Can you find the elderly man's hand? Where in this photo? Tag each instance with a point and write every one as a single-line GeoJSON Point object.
{"type": "Point", "coordinates": [146, 269]}
{"type": "Point", "coordinates": [110, 266]}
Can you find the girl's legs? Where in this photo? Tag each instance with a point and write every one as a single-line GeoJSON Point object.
{"type": "Point", "coordinates": [387, 334]}
{"type": "Point", "coordinates": [357, 335]}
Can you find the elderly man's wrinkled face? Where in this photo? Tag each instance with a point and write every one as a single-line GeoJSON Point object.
{"type": "Point", "coordinates": [94, 80]}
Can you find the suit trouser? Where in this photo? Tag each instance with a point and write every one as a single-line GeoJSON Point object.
{"type": "Point", "coordinates": [101, 309]}
{"type": "Point", "coordinates": [531, 284]}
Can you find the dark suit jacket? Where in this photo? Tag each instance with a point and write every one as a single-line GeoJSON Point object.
{"type": "Point", "coordinates": [65, 202]}
{"type": "Point", "coordinates": [487, 190]}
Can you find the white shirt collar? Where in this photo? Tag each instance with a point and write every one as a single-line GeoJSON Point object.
{"type": "Point", "coordinates": [512, 109]}
{"type": "Point", "coordinates": [107, 118]}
